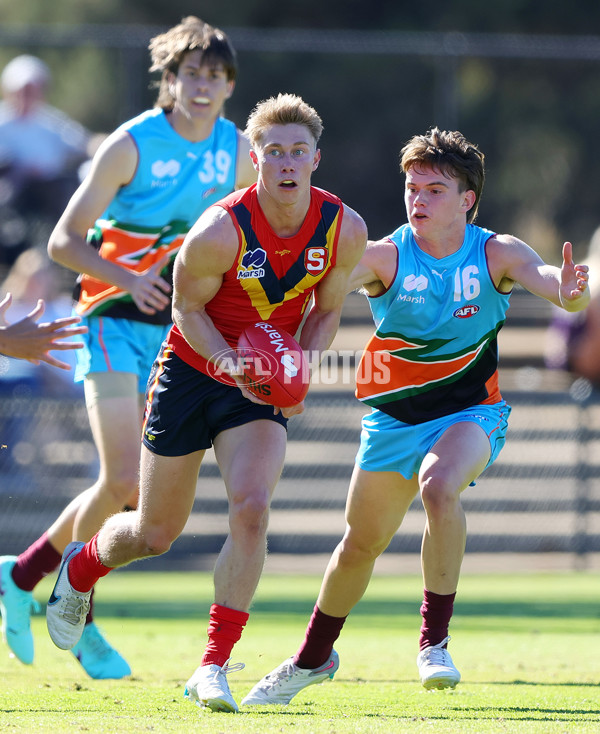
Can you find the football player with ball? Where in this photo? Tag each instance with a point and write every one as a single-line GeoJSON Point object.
{"type": "Point", "coordinates": [265, 255]}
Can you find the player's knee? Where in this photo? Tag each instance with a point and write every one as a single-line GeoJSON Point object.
{"type": "Point", "coordinates": [157, 540]}
{"type": "Point", "coordinates": [354, 552]}
{"type": "Point", "coordinates": [251, 513]}
{"type": "Point", "coordinates": [121, 488]}
{"type": "Point", "coordinates": [438, 495]}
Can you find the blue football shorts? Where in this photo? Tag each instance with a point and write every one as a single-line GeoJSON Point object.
{"type": "Point", "coordinates": [387, 444]}
{"type": "Point", "coordinates": [186, 409]}
{"type": "Point", "coordinates": [119, 345]}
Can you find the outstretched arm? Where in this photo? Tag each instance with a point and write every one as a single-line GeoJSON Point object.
{"type": "Point", "coordinates": [26, 339]}
{"type": "Point", "coordinates": [512, 261]}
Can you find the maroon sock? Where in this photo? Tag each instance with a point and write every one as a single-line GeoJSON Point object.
{"type": "Point", "coordinates": [86, 568]}
{"type": "Point", "coordinates": [40, 559]}
{"type": "Point", "coordinates": [436, 611]}
{"type": "Point", "coordinates": [321, 633]}
{"type": "Point", "coordinates": [90, 614]}
{"type": "Point", "coordinates": [224, 630]}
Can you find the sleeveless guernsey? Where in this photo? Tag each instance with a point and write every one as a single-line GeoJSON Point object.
{"type": "Point", "coordinates": [272, 278]}
{"type": "Point", "coordinates": [175, 181]}
{"type": "Point", "coordinates": [434, 350]}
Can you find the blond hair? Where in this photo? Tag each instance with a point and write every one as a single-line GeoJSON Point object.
{"type": "Point", "coordinates": [285, 109]}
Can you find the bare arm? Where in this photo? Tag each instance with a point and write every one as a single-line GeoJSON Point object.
{"type": "Point", "coordinates": [26, 339]}
{"type": "Point", "coordinates": [323, 320]}
{"type": "Point", "coordinates": [207, 253]}
{"type": "Point", "coordinates": [376, 269]}
{"type": "Point", "coordinates": [512, 261]}
{"type": "Point", "coordinates": [113, 167]}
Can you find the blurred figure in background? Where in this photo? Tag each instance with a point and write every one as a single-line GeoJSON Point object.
{"type": "Point", "coordinates": [32, 277]}
{"type": "Point", "coordinates": [41, 149]}
{"type": "Point", "coordinates": [148, 183]}
{"type": "Point", "coordinates": [27, 369]}
{"type": "Point", "coordinates": [573, 339]}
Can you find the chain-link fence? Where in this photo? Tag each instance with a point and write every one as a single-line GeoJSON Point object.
{"type": "Point", "coordinates": [542, 495]}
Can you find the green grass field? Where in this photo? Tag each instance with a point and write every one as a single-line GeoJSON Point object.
{"type": "Point", "coordinates": [526, 645]}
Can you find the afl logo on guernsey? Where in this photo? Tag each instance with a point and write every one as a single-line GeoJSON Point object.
{"type": "Point", "coordinates": [465, 312]}
{"type": "Point", "coordinates": [315, 259]}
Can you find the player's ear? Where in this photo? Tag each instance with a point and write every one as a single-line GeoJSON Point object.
{"type": "Point", "coordinates": [171, 82]}
{"type": "Point", "coordinates": [469, 198]}
{"type": "Point", "coordinates": [254, 159]}
{"type": "Point", "coordinates": [317, 159]}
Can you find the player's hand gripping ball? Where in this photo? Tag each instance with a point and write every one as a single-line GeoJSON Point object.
{"type": "Point", "coordinates": [273, 365]}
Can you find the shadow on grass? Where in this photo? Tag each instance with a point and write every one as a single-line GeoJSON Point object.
{"type": "Point", "coordinates": [373, 608]}
{"type": "Point", "coordinates": [456, 713]}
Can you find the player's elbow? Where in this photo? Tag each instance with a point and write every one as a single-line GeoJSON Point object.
{"type": "Point", "coordinates": [58, 247]}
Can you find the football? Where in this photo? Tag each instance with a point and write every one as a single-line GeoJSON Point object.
{"type": "Point", "coordinates": [273, 364]}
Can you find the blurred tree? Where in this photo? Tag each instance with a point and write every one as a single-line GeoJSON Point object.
{"type": "Point", "coordinates": [533, 118]}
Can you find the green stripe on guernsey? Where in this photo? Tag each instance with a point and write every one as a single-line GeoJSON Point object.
{"type": "Point", "coordinates": [419, 354]}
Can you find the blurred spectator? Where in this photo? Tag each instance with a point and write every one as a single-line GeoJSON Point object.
{"type": "Point", "coordinates": [41, 150]}
{"type": "Point", "coordinates": [573, 339]}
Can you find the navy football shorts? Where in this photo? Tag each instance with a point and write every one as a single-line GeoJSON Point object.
{"type": "Point", "coordinates": [186, 409]}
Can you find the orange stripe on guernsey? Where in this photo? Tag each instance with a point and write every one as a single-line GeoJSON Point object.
{"type": "Point", "coordinates": [383, 370]}
{"type": "Point", "coordinates": [136, 251]}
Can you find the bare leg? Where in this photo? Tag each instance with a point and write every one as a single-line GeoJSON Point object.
{"type": "Point", "coordinates": [251, 460]}
{"type": "Point", "coordinates": [167, 491]}
{"type": "Point", "coordinates": [377, 503]}
{"type": "Point", "coordinates": [116, 426]}
{"type": "Point", "coordinates": [453, 463]}
{"type": "Point", "coordinates": [60, 533]}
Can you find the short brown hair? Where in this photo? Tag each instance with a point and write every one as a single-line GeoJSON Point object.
{"type": "Point", "coordinates": [168, 49]}
{"type": "Point", "coordinates": [285, 109]}
{"type": "Point", "coordinates": [453, 155]}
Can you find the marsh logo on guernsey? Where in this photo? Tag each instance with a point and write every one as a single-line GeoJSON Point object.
{"type": "Point", "coordinates": [252, 263]}
{"type": "Point", "coordinates": [164, 172]}
{"type": "Point", "coordinates": [415, 282]}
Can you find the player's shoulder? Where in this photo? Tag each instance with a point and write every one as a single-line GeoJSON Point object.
{"type": "Point", "coordinates": [119, 146]}
{"type": "Point", "coordinates": [505, 246]}
{"type": "Point", "coordinates": [381, 256]}
{"type": "Point", "coordinates": [215, 228]}
{"type": "Point", "coordinates": [353, 225]}
{"type": "Point", "coordinates": [212, 243]}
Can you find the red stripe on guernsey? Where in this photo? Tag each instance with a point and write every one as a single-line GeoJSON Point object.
{"type": "Point", "coordinates": [103, 344]}
{"type": "Point", "coordinates": [166, 353]}
{"type": "Point", "coordinates": [398, 374]}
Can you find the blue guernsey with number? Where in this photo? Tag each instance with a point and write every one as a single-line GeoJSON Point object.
{"type": "Point", "coordinates": [434, 350]}
{"type": "Point", "coordinates": [175, 181]}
